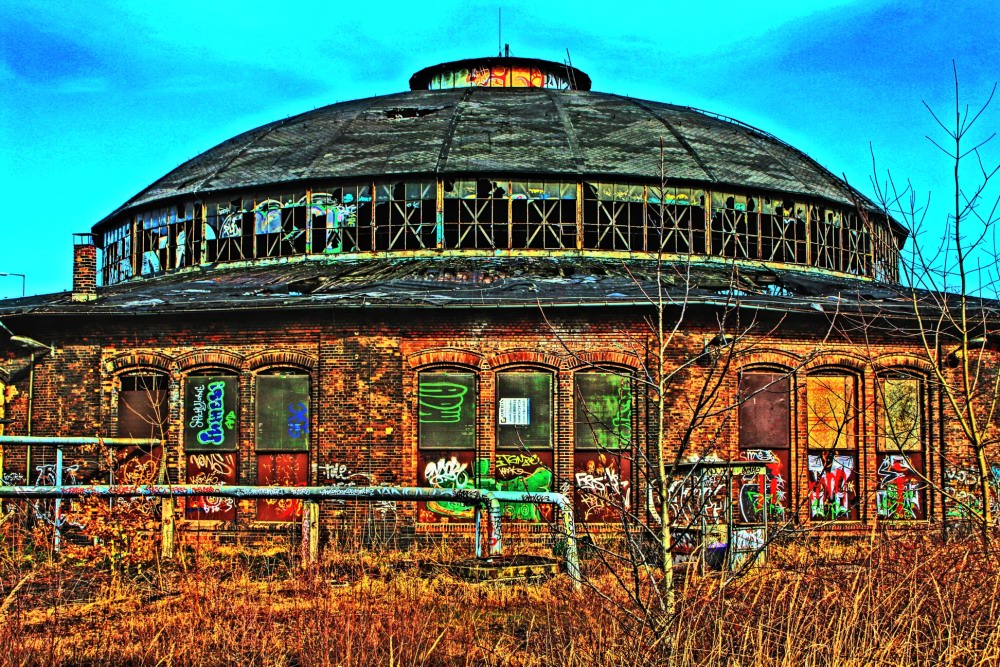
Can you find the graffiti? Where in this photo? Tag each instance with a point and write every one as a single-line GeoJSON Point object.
{"type": "Point", "coordinates": [209, 426]}
{"type": "Point", "coordinates": [448, 473]}
{"type": "Point", "coordinates": [899, 487]}
{"type": "Point", "coordinates": [267, 217]}
{"type": "Point", "coordinates": [13, 478]}
{"type": "Point", "coordinates": [441, 402]}
{"type": "Point", "coordinates": [211, 469]}
{"type": "Point", "coordinates": [298, 421]}
{"type": "Point", "coordinates": [530, 472]}
{"type": "Point", "coordinates": [697, 497]}
{"type": "Point", "coordinates": [339, 475]}
{"type": "Point", "coordinates": [514, 472]}
{"type": "Point", "coordinates": [768, 491]}
{"type": "Point", "coordinates": [622, 418]}
{"type": "Point", "coordinates": [289, 469]}
{"type": "Point", "coordinates": [963, 487]}
{"type": "Point", "coordinates": [498, 76]}
{"type": "Point", "coordinates": [832, 489]}
{"type": "Point", "coordinates": [603, 489]}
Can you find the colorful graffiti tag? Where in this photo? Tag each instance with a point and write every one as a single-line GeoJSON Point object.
{"type": "Point", "coordinates": [210, 421]}
{"type": "Point", "coordinates": [290, 469]}
{"type": "Point", "coordinates": [498, 76]}
{"type": "Point", "coordinates": [602, 481]}
{"type": "Point", "coordinates": [768, 491]}
{"type": "Point", "coordinates": [832, 487]}
{"type": "Point", "coordinates": [462, 470]}
{"type": "Point", "coordinates": [209, 469]}
{"type": "Point", "coordinates": [900, 489]}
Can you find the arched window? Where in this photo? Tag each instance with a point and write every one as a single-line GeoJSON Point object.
{"type": "Point", "coordinates": [282, 433]}
{"type": "Point", "coordinates": [602, 426]}
{"type": "Point", "coordinates": [833, 424]}
{"type": "Point", "coordinates": [765, 419]}
{"type": "Point", "coordinates": [142, 413]}
{"type": "Point", "coordinates": [523, 458]}
{"type": "Point", "coordinates": [446, 440]}
{"type": "Point", "coordinates": [211, 419]}
{"type": "Point", "coordinates": [899, 460]}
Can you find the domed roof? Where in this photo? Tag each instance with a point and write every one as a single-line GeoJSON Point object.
{"type": "Point", "coordinates": [540, 132]}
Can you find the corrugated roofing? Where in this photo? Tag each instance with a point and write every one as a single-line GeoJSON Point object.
{"type": "Point", "coordinates": [480, 282]}
{"type": "Point", "coordinates": [560, 134]}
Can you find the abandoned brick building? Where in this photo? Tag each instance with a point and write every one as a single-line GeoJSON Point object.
{"type": "Point", "coordinates": [463, 284]}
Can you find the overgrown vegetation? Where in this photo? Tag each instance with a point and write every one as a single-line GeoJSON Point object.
{"type": "Point", "coordinates": [885, 600]}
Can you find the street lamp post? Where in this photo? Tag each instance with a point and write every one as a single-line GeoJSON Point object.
{"type": "Point", "coordinates": [23, 278]}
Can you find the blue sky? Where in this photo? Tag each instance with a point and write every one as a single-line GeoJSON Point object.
{"type": "Point", "coordinates": [100, 98]}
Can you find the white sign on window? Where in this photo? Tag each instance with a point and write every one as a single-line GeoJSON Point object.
{"type": "Point", "coordinates": [515, 411]}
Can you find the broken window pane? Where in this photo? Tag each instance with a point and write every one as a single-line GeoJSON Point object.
{"type": "Point", "coordinates": [602, 410]}
{"type": "Point", "coordinates": [283, 414]}
{"type": "Point", "coordinates": [524, 409]}
{"type": "Point", "coordinates": [764, 415]}
{"type": "Point", "coordinates": [447, 410]}
{"type": "Point", "coordinates": [831, 416]}
{"type": "Point", "coordinates": [899, 421]}
{"type": "Point", "coordinates": [210, 404]}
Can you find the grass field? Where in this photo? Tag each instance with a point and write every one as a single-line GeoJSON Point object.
{"type": "Point", "coordinates": [882, 601]}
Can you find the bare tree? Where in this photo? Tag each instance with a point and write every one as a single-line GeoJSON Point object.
{"type": "Point", "coordinates": [952, 289]}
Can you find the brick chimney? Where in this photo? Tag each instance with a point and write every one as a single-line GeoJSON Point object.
{"type": "Point", "coordinates": [84, 268]}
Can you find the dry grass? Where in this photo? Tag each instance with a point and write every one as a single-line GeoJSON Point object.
{"type": "Point", "coordinates": [884, 602]}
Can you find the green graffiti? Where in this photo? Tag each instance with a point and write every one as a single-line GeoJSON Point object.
{"type": "Point", "coordinates": [441, 402]}
{"type": "Point", "coordinates": [452, 474]}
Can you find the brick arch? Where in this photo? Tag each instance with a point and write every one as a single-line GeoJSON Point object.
{"type": "Point", "coordinates": [446, 357]}
{"type": "Point", "coordinates": [787, 361]}
{"type": "Point", "coordinates": [211, 358]}
{"type": "Point", "coordinates": [842, 361]}
{"type": "Point", "coordinates": [525, 357]}
{"type": "Point", "coordinates": [603, 358]}
{"type": "Point", "coordinates": [137, 361]}
{"type": "Point", "coordinates": [891, 360]}
{"type": "Point", "coordinates": [284, 358]}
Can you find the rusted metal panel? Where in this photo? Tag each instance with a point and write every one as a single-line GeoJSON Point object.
{"type": "Point", "coordinates": [211, 469]}
{"type": "Point", "coordinates": [285, 469]}
{"type": "Point", "coordinates": [764, 412]}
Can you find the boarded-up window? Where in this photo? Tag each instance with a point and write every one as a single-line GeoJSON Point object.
{"type": "Point", "coordinates": [764, 411]}
{"type": "Point", "coordinates": [602, 484]}
{"type": "Point", "coordinates": [282, 413]}
{"type": "Point", "coordinates": [831, 415]}
{"type": "Point", "coordinates": [142, 413]}
{"type": "Point", "coordinates": [899, 419]}
{"type": "Point", "coordinates": [833, 485]}
{"type": "Point", "coordinates": [282, 440]}
{"type": "Point", "coordinates": [142, 406]}
{"type": "Point", "coordinates": [602, 411]}
{"type": "Point", "coordinates": [524, 410]}
{"type": "Point", "coordinates": [210, 413]}
{"type": "Point", "coordinates": [448, 469]}
{"type": "Point", "coordinates": [446, 410]}
{"type": "Point", "coordinates": [289, 469]}
{"type": "Point", "coordinates": [211, 469]}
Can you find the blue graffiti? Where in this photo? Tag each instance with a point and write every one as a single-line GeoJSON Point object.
{"type": "Point", "coordinates": [298, 422]}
